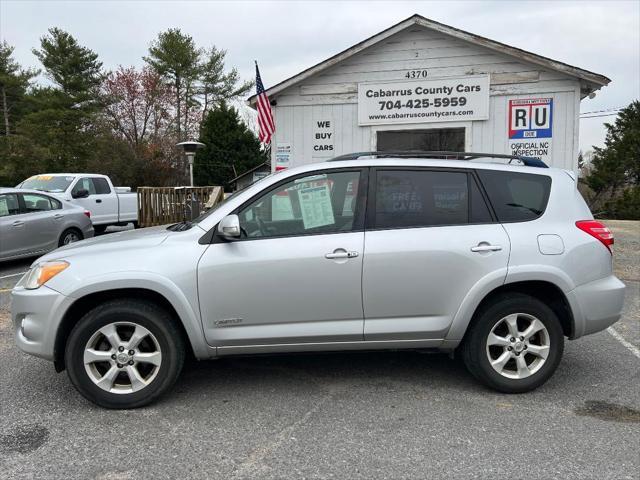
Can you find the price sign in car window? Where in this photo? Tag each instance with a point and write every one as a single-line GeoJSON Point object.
{"type": "Point", "coordinates": [315, 205]}
{"type": "Point", "coordinates": [281, 208]}
{"type": "Point", "coordinates": [4, 208]}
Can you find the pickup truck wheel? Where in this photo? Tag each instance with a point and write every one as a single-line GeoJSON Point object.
{"type": "Point", "coordinates": [514, 345]}
{"type": "Point", "coordinates": [100, 228]}
{"type": "Point", "coordinates": [70, 235]}
{"type": "Point", "coordinates": [124, 353]}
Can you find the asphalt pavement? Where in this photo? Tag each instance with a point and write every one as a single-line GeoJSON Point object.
{"type": "Point", "coordinates": [347, 415]}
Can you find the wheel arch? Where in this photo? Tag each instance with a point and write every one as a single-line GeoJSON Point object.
{"type": "Point", "coordinates": [82, 304]}
{"type": "Point", "coordinates": [546, 291]}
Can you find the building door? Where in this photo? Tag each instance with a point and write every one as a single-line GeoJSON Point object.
{"type": "Point", "coordinates": [435, 139]}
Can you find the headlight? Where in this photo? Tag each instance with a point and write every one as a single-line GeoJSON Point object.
{"type": "Point", "coordinates": [43, 272]}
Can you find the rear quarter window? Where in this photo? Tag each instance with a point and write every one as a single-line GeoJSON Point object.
{"type": "Point", "coordinates": [516, 197]}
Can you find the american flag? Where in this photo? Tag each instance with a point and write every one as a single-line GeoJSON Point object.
{"type": "Point", "coordinates": [265, 117]}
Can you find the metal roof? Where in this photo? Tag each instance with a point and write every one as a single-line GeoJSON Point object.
{"type": "Point", "coordinates": [595, 79]}
{"type": "Point", "coordinates": [257, 167]}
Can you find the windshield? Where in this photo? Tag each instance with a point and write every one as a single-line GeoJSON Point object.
{"type": "Point", "coordinates": [47, 183]}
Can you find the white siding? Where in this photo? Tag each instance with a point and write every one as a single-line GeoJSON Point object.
{"type": "Point", "coordinates": [332, 95]}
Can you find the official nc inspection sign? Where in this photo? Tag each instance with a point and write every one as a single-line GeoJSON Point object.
{"type": "Point", "coordinates": [420, 101]}
{"type": "Point", "coordinates": [531, 118]}
{"type": "Point", "coordinates": [530, 128]}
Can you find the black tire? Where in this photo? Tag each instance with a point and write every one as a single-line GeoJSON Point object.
{"type": "Point", "coordinates": [474, 346]}
{"type": "Point", "coordinates": [156, 320]}
{"type": "Point", "coordinates": [99, 229]}
{"type": "Point", "coordinates": [69, 232]}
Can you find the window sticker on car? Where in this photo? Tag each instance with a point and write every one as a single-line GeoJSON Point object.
{"type": "Point", "coordinates": [315, 205]}
{"type": "Point", "coordinates": [281, 207]}
{"type": "Point", "coordinates": [45, 177]}
{"type": "Point", "coordinates": [4, 208]}
{"type": "Point", "coordinates": [450, 197]}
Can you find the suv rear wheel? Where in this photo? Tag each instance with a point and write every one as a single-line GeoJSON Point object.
{"type": "Point", "coordinates": [124, 354]}
{"type": "Point", "coordinates": [515, 344]}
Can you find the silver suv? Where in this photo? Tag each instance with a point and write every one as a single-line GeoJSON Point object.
{"type": "Point", "coordinates": [498, 259]}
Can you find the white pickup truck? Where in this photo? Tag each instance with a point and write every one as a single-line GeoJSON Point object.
{"type": "Point", "coordinates": [108, 205]}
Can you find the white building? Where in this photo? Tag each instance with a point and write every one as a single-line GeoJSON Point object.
{"type": "Point", "coordinates": [423, 85]}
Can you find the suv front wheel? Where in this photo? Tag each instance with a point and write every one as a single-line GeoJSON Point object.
{"type": "Point", "coordinates": [124, 353]}
{"type": "Point", "coordinates": [515, 344]}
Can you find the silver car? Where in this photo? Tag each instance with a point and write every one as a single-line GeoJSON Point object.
{"type": "Point", "coordinates": [499, 262]}
{"type": "Point", "coordinates": [33, 223]}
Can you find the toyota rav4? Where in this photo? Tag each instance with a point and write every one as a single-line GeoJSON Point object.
{"type": "Point", "coordinates": [494, 257]}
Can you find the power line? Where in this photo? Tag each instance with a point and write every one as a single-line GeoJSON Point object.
{"type": "Point", "coordinates": [615, 109]}
{"type": "Point", "coordinates": [607, 112]}
{"type": "Point", "coordinates": [601, 115]}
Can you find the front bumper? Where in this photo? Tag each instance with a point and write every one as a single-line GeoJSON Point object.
{"type": "Point", "coordinates": [596, 305]}
{"type": "Point", "coordinates": [36, 317]}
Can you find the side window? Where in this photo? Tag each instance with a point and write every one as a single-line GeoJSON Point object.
{"type": "Point", "coordinates": [101, 186]}
{"type": "Point", "coordinates": [55, 204]}
{"type": "Point", "coordinates": [421, 198]}
{"type": "Point", "coordinates": [9, 204]}
{"type": "Point", "coordinates": [84, 184]}
{"type": "Point", "coordinates": [36, 203]}
{"type": "Point", "coordinates": [320, 203]}
{"type": "Point", "coordinates": [516, 197]}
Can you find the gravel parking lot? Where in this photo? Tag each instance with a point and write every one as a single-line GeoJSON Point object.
{"type": "Point", "coordinates": [355, 415]}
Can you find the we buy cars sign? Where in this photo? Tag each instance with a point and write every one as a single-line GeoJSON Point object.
{"type": "Point", "coordinates": [531, 127]}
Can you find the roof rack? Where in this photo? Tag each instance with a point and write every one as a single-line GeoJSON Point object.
{"type": "Point", "coordinates": [526, 161]}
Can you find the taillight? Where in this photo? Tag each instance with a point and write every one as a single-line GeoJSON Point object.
{"type": "Point", "coordinates": [87, 213]}
{"type": "Point", "coordinates": [597, 230]}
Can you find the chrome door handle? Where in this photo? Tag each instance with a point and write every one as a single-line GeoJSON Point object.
{"type": "Point", "coordinates": [58, 216]}
{"type": "Point", "coordinates": [18, 223]}
{"type": "Point", "coordinates": [486, 248]}
{"type": "Point", "coordinates": [341, 254]}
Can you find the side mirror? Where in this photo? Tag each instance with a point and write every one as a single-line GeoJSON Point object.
{"type": "Point", "coordinates": [82, 193]}
{"type": "Point", "coordinates": [229, 227]}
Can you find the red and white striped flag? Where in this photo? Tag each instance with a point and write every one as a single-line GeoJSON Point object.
{"type": "Point", "coordinates": [265, 117]}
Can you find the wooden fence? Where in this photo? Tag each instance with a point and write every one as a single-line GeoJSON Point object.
{"type": "Point", "coordinates": [163, 205]}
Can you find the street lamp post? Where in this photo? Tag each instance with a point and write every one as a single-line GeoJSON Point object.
{"type": "Point", "coordinates": [189, 148]}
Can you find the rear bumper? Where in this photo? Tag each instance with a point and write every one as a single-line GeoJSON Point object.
{"type": "Point", "coordinates": [596, 305]}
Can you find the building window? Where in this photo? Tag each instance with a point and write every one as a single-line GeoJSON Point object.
{"type": "Point", "coordinates": [435, 139]}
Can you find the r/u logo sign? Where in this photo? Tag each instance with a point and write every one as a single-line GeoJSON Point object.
{"type": "Point", "coordinates": [531, 118]}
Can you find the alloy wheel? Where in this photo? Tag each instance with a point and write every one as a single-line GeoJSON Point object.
{"type": "Point", "coordinates": [122, 357]}
{"type": "Point", "coordinates": [70, 237]}
{"type": "Point", "coordinates": [518, 345]}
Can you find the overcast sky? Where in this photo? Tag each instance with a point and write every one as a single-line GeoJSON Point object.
{"type": "Point", "coordinates": [287, 36]}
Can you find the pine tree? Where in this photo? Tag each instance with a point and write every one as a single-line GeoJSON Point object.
{"type": "Point", "coordinates": [175, 57]}
{"type": "Point", "coordinates": [616, 167]}
{"type": "Point", "coordinates": [231, 148]}
{"type": "Point", "coordinates": [218, 86]}
{"type": "Point", "coordinates": [14, 82]}
{"type": "Point", "coordinates": [64, 115]}
{"type": "Point", "coordinates": [72, 67]}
